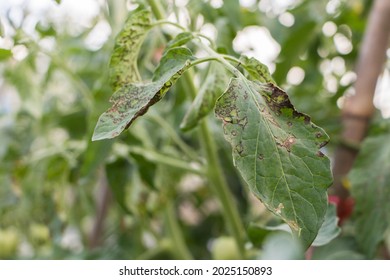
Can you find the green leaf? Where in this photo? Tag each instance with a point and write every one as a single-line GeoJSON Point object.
{"type": "Point", "coordinates": [5, 54]}
{"type": "Point", "coordinates": [276, 150]}
{"type": "Point", "coordinates": [329, 229]}
{"type": "Point", "coordinates": [370, 180]}
{"type": "Point", "coordinates": [118, 175]}
{"type": "Point", "coordinates": [180, 40]}
{"type": "Point", "coordinates": [257, 71]}
{"type": "Point", "coordinates": [204, 102]}
{"type": "Point", "coordinates": [133, 100]}
{"type": "Point", "coordinates": [342, 248]}
{"type": "Point", "coordinates": [123, 64]}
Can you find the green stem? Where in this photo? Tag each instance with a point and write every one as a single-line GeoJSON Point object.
{"type": "Point", "coordinates": [222, 59]}
{"type": "Point", "coordinates": [202, 60]}
{"type": "Point", "coordinates": [231, 58]}
{"type": "Point", "coordinates": [217, 179]}
{"type": "Point", "coordinates": [205, 37]}
{"type": "Point", "coordinates": [157, 9]}
{"type": "Point", "coordinates": [174, 136]}
{"type": "Point", "coordinates": [162, 22]}
{"type": "Point", "coordinates": [177, 238]}
{"type": "Point", "coordinates": [156, 157]}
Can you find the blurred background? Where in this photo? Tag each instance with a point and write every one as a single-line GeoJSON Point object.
{"type": "Point", "coordinates": [65, 197]}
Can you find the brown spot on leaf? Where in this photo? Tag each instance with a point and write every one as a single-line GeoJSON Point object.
{"type": "Point", "coordinates": [320, 154]}
{"type": "Point", "coordinates": [260, 157]}
{"type": "Point", "coordinates": [277, 99]}
{"type": "Point", "coordinates": [288, 143]}
{"type": "Point", "coordinates": [243, 122]}
{"type": "Point", "coordinates": [239, 149]}
{"type": "Point", "coordinates": [294, 226]}
{"type": "Point", "coordinates": [322, 144]}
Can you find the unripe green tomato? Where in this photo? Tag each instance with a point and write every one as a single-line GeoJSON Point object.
{"type": "Point", "coordinates": [9, 242]}
{"type": "Point", "coordinates": [225, 248]}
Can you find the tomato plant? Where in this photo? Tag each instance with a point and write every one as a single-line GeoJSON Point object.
{"type": "Point", "coordinates": [204, 152]}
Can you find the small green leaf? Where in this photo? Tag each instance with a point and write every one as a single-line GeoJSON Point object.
{"type": "Point", "coordinates": [370, 180]}
{"type": "Point", "coordinates": [5, 54]}
{"type": "Point", "coordinates": [133, 100]}
{"type": "Point", "coordinates": [123, 64]}
{"type": "Point", "coordinates": [329, 229]}
{"type": "Point", "coordinates": [204, 102]}
{"type": "Point", "coordinates": [276, 150]}
{"type": "Point", "coordinates": [257, 71]}
{"type": "Point", "coordinates": [180, 40]}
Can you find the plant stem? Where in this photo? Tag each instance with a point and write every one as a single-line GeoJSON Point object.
{"type": "Point", "coordinates": [174, 136]}
{"type": "Point", "coordinates": [217, 179]}
{"type": "Point", "coordinates": [176, 235]}
{"type": "Point", "coordinates": [162, 22]}
{"type": "Point", "coordinates": [157, 10]}
{"type": "Point", "coordinates": [221, 59]}
{"type": "Point", "coordinates": [156, 157]}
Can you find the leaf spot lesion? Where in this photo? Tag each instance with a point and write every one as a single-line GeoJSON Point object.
{"type": "Point", "coordinates": [288, 143]}
{"type": "Point", "coordinates": [278, 210]}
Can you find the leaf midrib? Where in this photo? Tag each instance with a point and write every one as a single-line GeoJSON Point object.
{"type": "Point", "coordinates": [253, 95]}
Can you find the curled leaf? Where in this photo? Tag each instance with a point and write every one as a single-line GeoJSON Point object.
{"type": "Point", "coordinates": [204, 102]}
{"type": "Point", "coordinates": [123, 63]}
{"type": "Point", "coordinates": [133, 100]}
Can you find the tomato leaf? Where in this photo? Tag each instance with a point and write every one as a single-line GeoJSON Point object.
{"type": "Point", "coordinates": [204, 102]}
{"type": "Point", "coordinates": [133, 100]}
{"type": "Point", "coordinates": [123, 63]}
{"type": "Point", "coordinates": [180, 40]}
{"type": "Point", "coordinates": [257, 71]}
{"type": "Point", "coordinates": [276, 150]}
{"type": "Point", "coordinates": [370, 180]}
{"type": "Point", "coordinates": [329, 229]}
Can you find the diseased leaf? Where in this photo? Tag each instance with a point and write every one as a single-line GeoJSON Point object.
{"type": "Point", "coordinates": [276, 150]}
{"type": "Point", "coordinates": [370, 180]}
{"type": "Point", "coordinates": [204, 102]}
{"type": "Point", "coordinates": [133, 100]}
{"type": "Point", "coordinates": [173, 58]}
{"type": "Point", "coordinates": [257, 71]}
{"type": "Point", "coordinates": [123, 64]}
{"type": "Point", "coordinates": [329, 229]}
